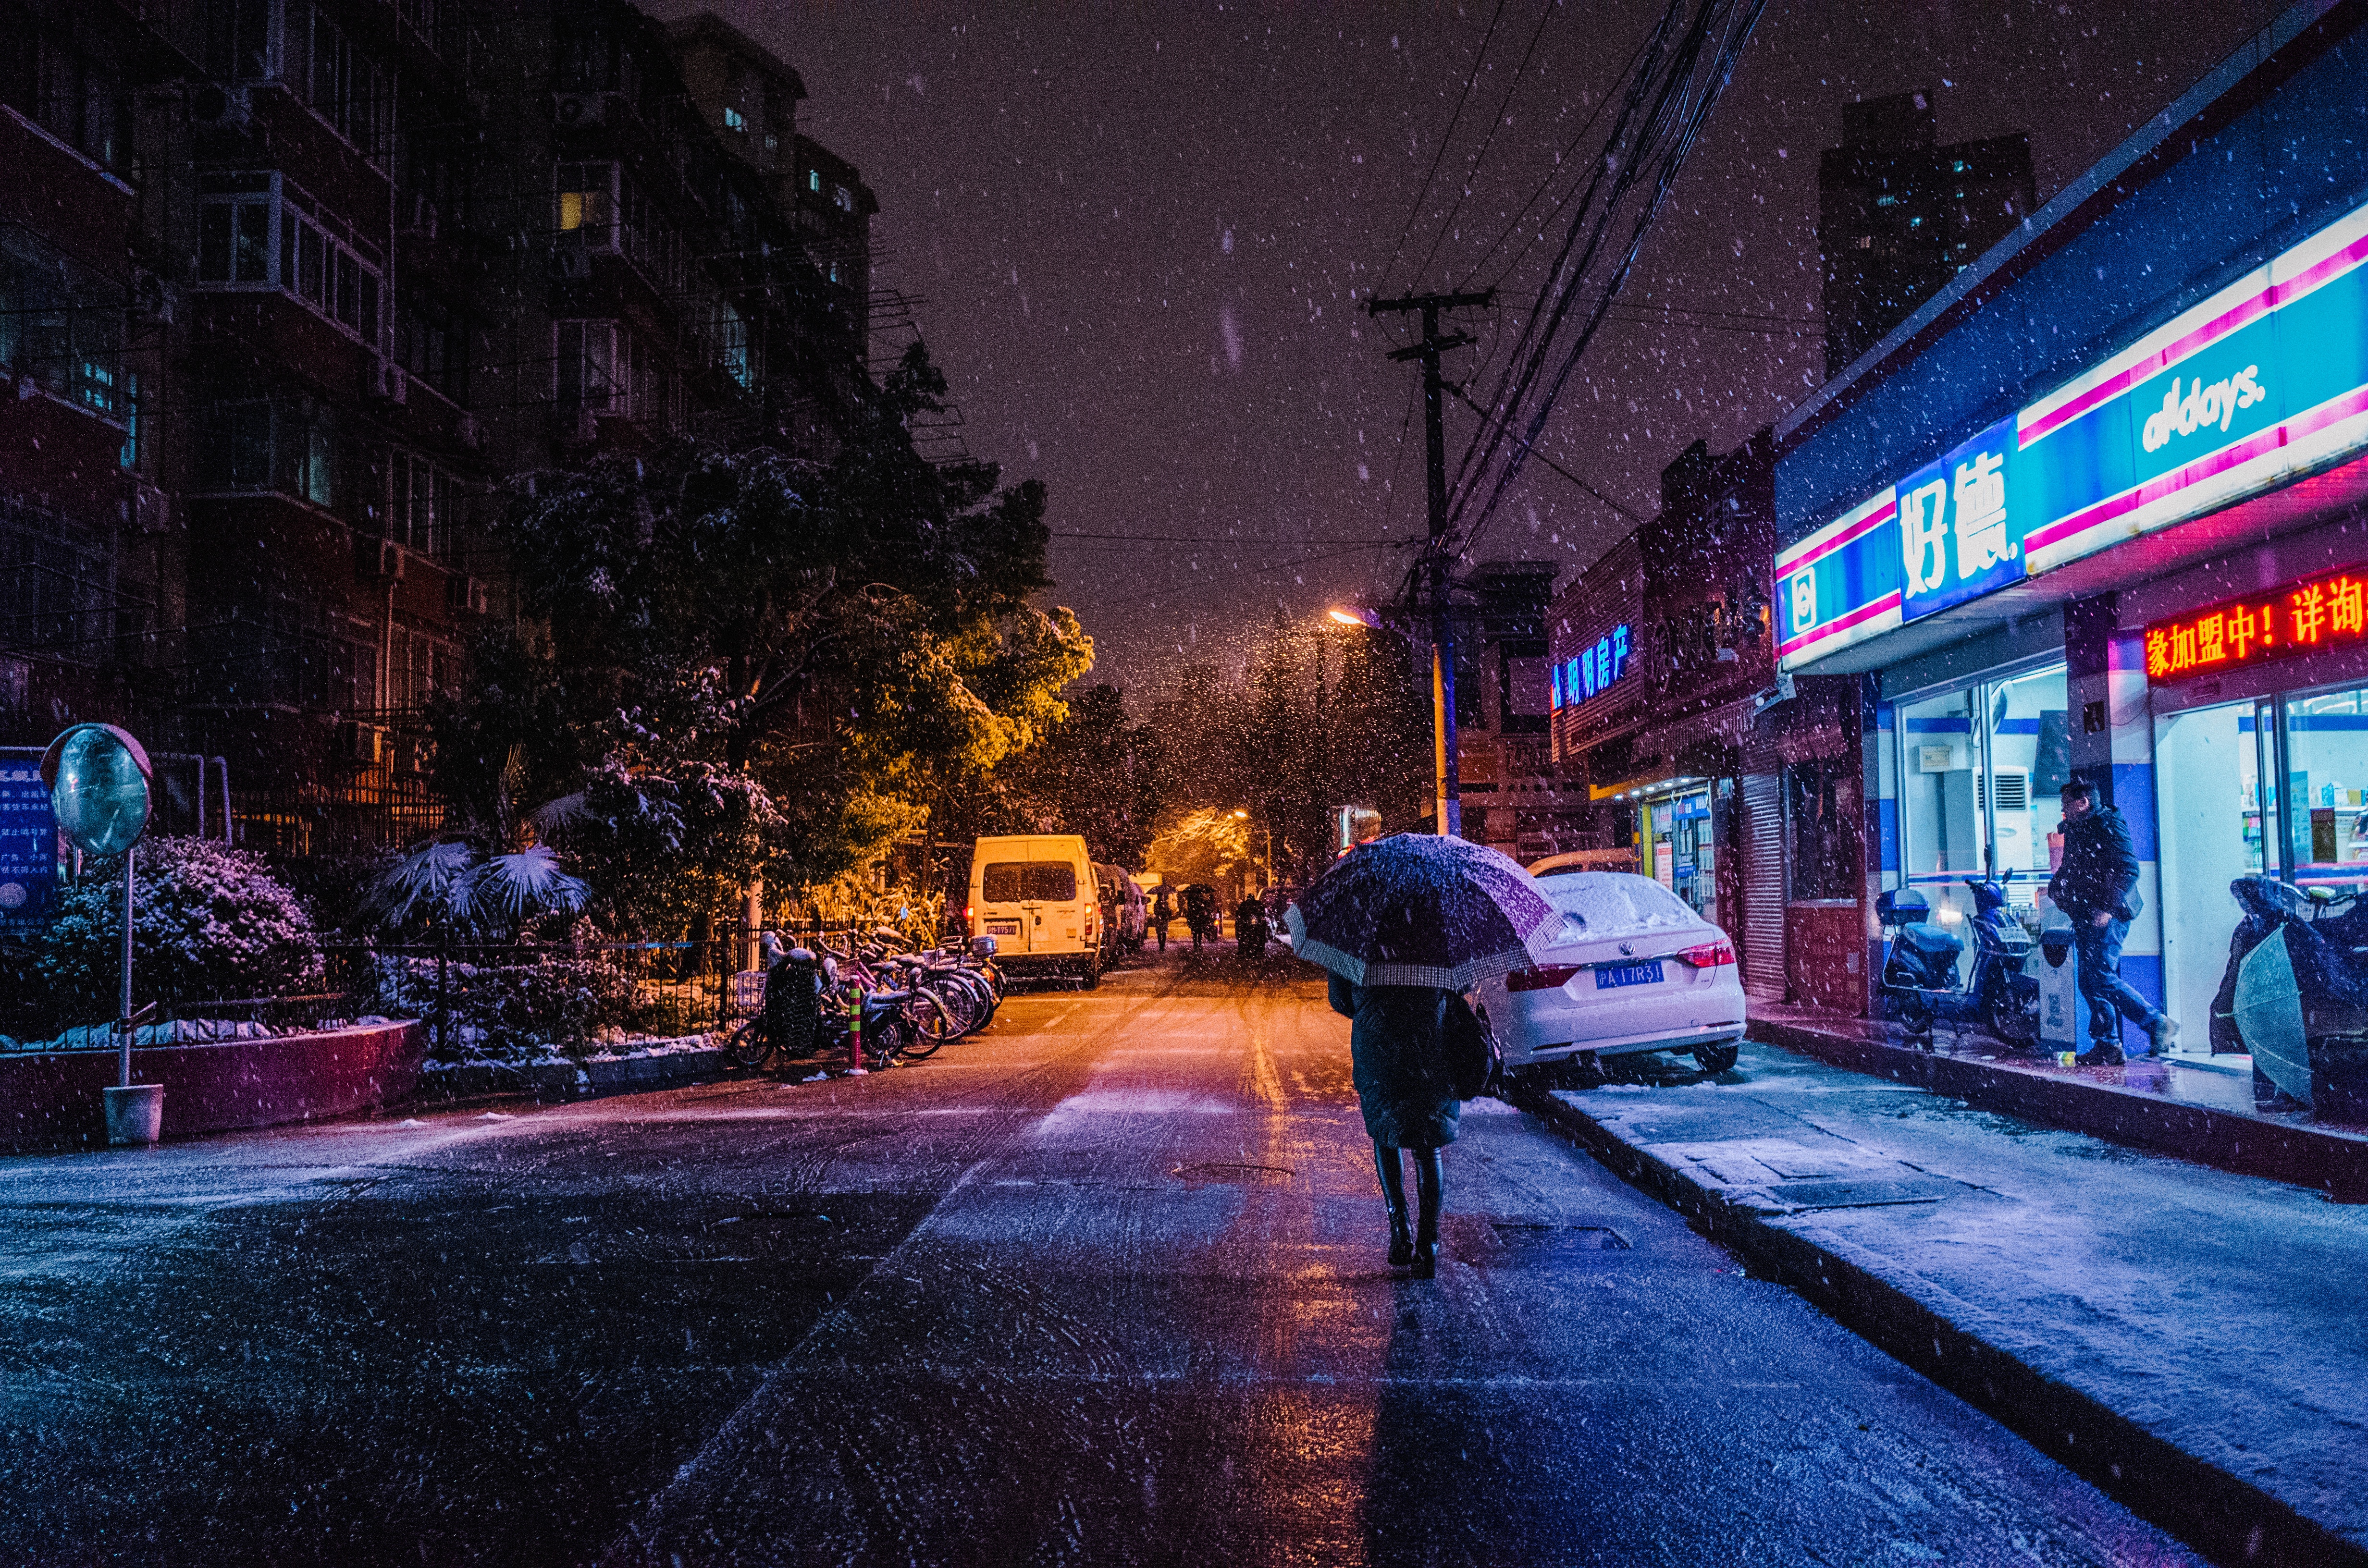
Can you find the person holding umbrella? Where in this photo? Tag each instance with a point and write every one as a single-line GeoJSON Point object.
{"type": "Point", "coordinates": [1406, 924]}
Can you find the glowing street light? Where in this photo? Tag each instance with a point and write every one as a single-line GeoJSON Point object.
{"type": "Point", "coordinates": [1355, 615]}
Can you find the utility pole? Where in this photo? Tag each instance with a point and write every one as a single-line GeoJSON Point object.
{"type": "Point", "coordinates": [1437, 554]}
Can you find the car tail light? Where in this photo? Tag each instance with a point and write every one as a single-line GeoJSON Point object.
{"type": "Point", "coordinates": [1543, 979]}
{"type": "Point", "coordinates": [1709, 955]}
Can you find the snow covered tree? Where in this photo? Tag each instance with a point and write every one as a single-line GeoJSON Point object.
{"type": "Point", "coordinates": [753, 665]}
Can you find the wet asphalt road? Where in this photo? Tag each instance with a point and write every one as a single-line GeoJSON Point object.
{"type": "Point", "coordinates": [1105, 1286]}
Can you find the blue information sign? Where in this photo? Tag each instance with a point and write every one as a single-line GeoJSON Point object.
{"type": "Point", "coordinates": [28, 845]}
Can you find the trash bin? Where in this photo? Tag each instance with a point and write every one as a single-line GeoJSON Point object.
{"type": "Point", "coordinates": [2054, 963]}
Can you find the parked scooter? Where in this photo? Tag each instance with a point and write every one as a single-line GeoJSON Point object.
{"type": "Point", "coordinates": [2295, 995]}
{"type": "Point", "coordinates": [1919, 982]}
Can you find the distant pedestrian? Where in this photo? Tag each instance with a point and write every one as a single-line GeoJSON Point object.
{"type": "Point", "coordinates": [2093, 888]}
{"type": "Point", "coordinates": [1201, 913]}
{"type": "Point", "coordinates": [1162, 912]}
{"type": "Point", "coordinates": [1398, 1056]}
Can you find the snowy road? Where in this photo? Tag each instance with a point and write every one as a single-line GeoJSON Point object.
{"type": "Point", "coordinates": [1104, 1286]}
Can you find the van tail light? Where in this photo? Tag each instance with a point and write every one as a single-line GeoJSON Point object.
{"type": "Point", "coordinates": [1709, 955]}
{"type": "Point", "coordinates": [1544, 979]}
{"type": "Point", "coordinates": [969, 910]}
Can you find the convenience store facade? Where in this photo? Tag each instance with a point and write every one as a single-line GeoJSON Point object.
{"type": "Point", "coordinates": [2102, 509]}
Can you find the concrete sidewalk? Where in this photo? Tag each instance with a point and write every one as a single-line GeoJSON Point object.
{"type": "Point", "coordinates": [2193, 1341]}
{"type": "Point", "coordinates": [2198, 1108]}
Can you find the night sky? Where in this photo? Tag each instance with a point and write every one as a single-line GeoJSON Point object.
{"type": "Point", "coordinates": [1144, 238]}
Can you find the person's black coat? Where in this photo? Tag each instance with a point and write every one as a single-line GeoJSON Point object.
{"type": "Point", "coordinates": [2100, 866]}
{"type": "Point", "coordinates": [1397, 1052]}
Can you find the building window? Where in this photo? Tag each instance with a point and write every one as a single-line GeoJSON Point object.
{"type": "Point", "coordinates": [284, 445]}
{"type": "Point", "coordinates": [732, 341]}
{"type": "Point", "coordinates": [60, 326]}
{"type": "Point", "coordinates": [600, 367]}
{"type": "Point", "coordinates": [587, 203]}
{"type": "Point", "coordinates": [318, 257]}
{"type": "Point", "coordinates": [735, 120]}
{"type": "Point", "coordinates": [432, 343]}
{"type": "Point", "coordinates": [345, 87]}
{"type": "Point", "coordinates": [813, 180]}
{"type": "Point", "coordinates": [238, 40]}
{"type": "Point", "coordinates": [70, 98]}
{"type": "Point", "coordinates": [420, 510]}
{"type": "Point", "coordinates": [1820, 798]}
{"type": "Point", "coordinates": [1979, 770]}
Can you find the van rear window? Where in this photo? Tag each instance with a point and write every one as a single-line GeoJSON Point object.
{"type": "Point", "coordinates": [1030, 881]}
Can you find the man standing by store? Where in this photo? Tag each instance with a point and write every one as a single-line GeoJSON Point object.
{"type": "Point", "coordinates": [2093, 888]}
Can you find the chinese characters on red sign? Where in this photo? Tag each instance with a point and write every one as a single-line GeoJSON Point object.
{"type": "Point", "coordinates": [2319, 613]}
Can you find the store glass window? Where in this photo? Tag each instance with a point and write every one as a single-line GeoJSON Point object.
{"type": "Point", "coordinates": [1819, 796]}
{"type": "Point", "coordinates": [2327, 775]}
{"type": "Point", "coordinates": [1979, 771]}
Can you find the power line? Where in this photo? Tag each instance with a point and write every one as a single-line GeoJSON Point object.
{"type": "Point", "coordinates": [1211, 538]}
{"type": "Point", "coordinates": [1599, 495]}
{"type": "Point", "coordinates": [1455, 119]}
{"type": "Point", "coordinates": [1496, 124]}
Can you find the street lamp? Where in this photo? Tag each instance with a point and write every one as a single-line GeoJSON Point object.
{"type": "Point", "coordinates": [1355, 615]}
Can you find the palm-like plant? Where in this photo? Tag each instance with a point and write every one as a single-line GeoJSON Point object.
{"type": "Point", "coordinates": [451, 884]}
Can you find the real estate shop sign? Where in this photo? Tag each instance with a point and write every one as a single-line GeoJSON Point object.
{"type": "Point", "coordinates": [2262, 382]}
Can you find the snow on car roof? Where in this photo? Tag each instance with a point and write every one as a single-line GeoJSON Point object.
{"type": "Point", "coordinates": [1607, 904]}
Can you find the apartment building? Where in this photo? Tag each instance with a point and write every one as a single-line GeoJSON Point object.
{"type": "Point", "coordinates": [289, 290]}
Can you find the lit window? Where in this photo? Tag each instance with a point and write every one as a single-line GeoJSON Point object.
{"type": "Point", "coordinates": [586, 198]}
{"type": "Point", "coordinates": [813, 180]}
{"type": "Point", "coordinates": [735, 120]}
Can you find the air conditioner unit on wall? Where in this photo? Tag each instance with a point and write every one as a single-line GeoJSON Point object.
{"type": "Point", "coordinates": [214, 107]}
{"type": "Point", "coordinates": [466, 595]}
{"type": "Point", "coordinates": [379, 560]}
{"type": "Point", "coordinates": [570, 111]}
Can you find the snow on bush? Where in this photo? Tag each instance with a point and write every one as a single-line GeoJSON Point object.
{"type": "Point", "coordinates": [508, 1012]}
{"type": "Point", "coordinates": [209, 921]}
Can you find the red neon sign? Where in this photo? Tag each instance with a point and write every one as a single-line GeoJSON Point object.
{"type": "Point", "coordinates": [2319, 612]}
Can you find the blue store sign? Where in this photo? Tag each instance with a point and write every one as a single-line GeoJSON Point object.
{"type": "Point", "coordinates": [28, 848]}
{"type": "Point", "coordinates": [2264, 381]}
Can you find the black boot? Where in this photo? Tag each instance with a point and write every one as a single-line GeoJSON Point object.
{"type": "Point", "coordinates": [1429, 1188]}
{"type": "Point", "coordinates": [1393, 1175]}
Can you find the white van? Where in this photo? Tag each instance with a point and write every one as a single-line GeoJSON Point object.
{"type": "Point", "coordinates": [1036, 896]}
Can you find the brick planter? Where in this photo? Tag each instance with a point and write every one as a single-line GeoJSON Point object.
{"type": "Point", "coordinates": [51, 1100]}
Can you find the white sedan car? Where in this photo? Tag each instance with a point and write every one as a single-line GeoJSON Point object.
{"type": "Point", "coordinates": [1632, 968]}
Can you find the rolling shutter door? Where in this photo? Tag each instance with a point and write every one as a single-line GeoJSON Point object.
{"type": "Point", "coordinates": [1763, 887]}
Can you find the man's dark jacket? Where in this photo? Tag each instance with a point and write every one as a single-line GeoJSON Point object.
{"type": "Point", "coordinates": [2100, 866]}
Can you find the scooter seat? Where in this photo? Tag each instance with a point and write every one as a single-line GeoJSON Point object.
{"type": "Point", "coordinates": [1932, 941]}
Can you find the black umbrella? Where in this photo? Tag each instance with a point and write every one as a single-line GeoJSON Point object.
{"type": "Point", "coordinates": [1415, 910]}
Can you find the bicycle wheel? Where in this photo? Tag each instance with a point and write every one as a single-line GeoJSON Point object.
{"type": "Point", "coordinates": [933, 1024]}
{"type": "Point", "coordinates": [747, 1043]}
{"type": "Point", "coordinates": [886, 1041]}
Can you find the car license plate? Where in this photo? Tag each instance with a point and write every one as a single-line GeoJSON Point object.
{"type": "Point", "coordinates": [1003, 928]}
{"type": "Point", "coordinates": [1609, 975]}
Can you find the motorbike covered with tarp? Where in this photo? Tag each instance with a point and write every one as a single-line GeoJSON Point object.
{"type": "Point", "coordinates": [2295, 995]}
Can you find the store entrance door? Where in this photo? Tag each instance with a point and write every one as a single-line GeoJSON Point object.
{"type": "Point", "coordinates": [1679, 851]}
